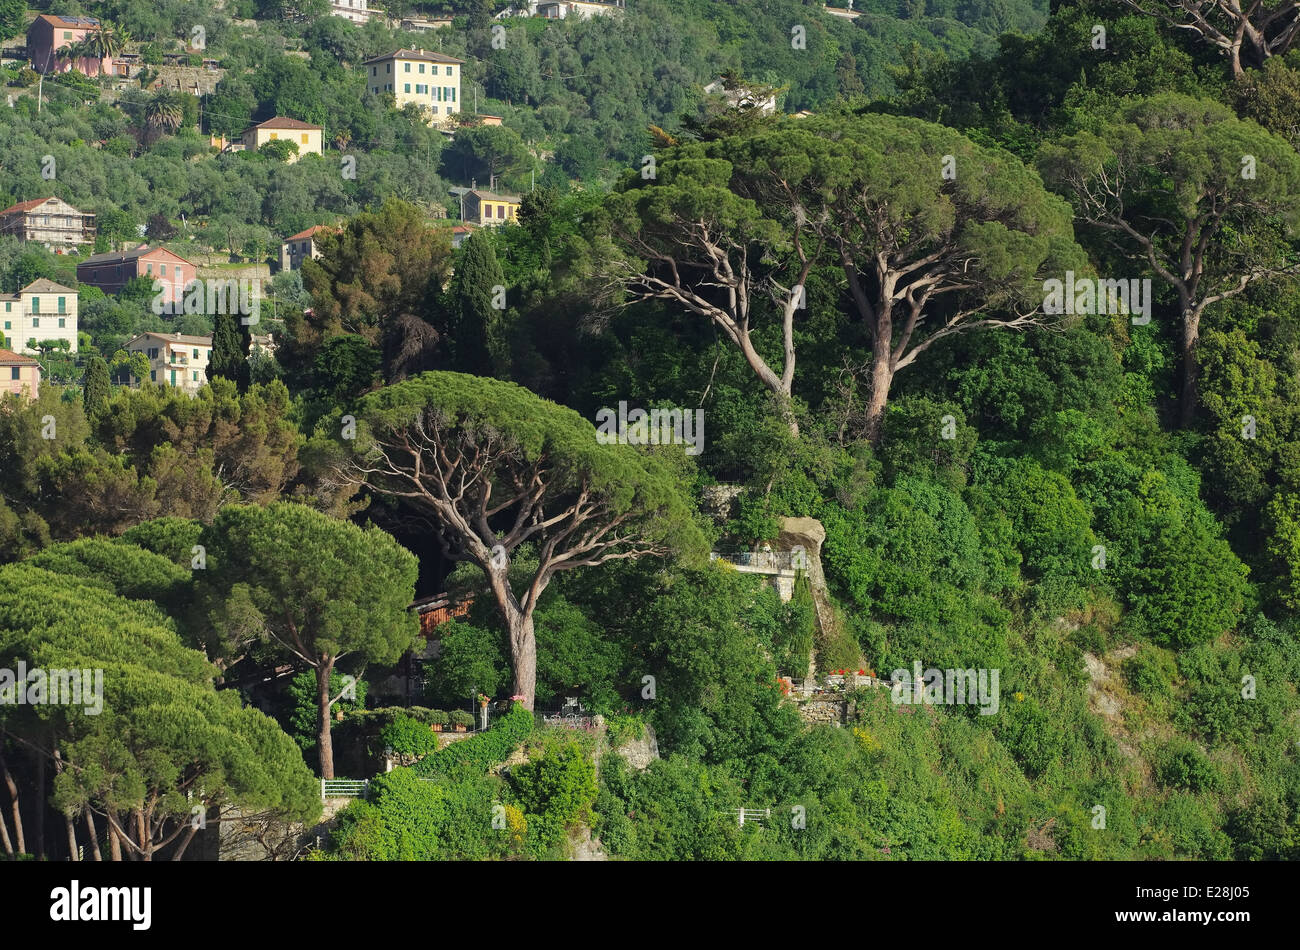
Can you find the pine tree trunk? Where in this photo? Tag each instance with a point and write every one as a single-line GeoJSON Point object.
{"type": "Point", "coordinates": [1190, 395]}
{"type": "Point", "coordinates": [94, 836]}
{"type": "Point", "coordinates": [523, 656]}
{"type": "Point", "coordinates": [882, 377]}
{"type": "Point", "coordinates": [114, 844]}
{"type": "Point", "coordinates": [324, 741]}
{"type": "Point", "coordinates": [12, 786]}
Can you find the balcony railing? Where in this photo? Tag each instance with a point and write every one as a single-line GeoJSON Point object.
{"type": "Point", "coordinates": [759, 560]}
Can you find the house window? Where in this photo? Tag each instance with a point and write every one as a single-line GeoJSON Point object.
{"type": "Point", "coordinates": [196, 354]}
{"type": "Point", "coordinates": [9, 307]}
{"type": "Point", "coordinates": [195, 376]}
{"type": "Point", "coordinates": [406, 87]}
{"type": "Point", "coordinates": [422, 69]}
{"type": "Point", "coordinates": [388, 67]}
{"type": "Point", "coordinates": [148, 270]}
{"type": "Point", "coordinates": [62, 323]}
{"type": "Point", "coordinates": [67, 36]}
{"type": "Point", "coordinates": [173, 377]}
{"type": "Point", "coordinates": [452, 90]}
{"type": "Point", "coordinates": [304, 138]}
{"type": "Point", "coordinates": [448, 70]}
{"type": "Point", "coordinates": [274, 136]}
{"type": "Point", "coordinates": [406, 67]}
{"type": "Point", "coordinates": [36, 321]}
{"type": "Point", "coordinates": [36, 305]}
{"type": "Point", "coordinates": [153, 352]}
{"type": "Point", "coordinates": [8, 324]}
{"type": "Point", "coordinates": [435, 110]}
{"type": "Point", "coordinates": [63, 305]}
{"type": "Point", "coordinates": [13, 373]}
{"type": "Point", "coordinates": [153, 376]}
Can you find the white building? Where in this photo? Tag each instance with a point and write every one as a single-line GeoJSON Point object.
{"type": "Point", "coordinates": [354, 10]}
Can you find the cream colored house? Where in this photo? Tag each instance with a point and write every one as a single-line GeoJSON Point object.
{"type": "Point", "coordinates": [429, 80]}
{"type": "Point", "coordinates": [302, 134]}
{"type": "Point", "coordinates": [20, 375]}
{"type": "Point", "coordinates": [182, 361]}
{"type": "Point", "coordinates": [43, 310]}
{"type": "Point", "coordinates": [175, 359]}
{"type": "Point", "coordinates": [49, 221]}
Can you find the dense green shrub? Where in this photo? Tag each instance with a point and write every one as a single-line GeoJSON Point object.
{"type": "Point", "coordinates": [408, 738]}
{"type": "Point", "coordinates": [483, 750]}
{"type": "Point", "coordinates": [555, 790]}
{"type": "Point", "coordinates": [1182, 765]}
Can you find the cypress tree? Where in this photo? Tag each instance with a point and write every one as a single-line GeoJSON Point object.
{"type": "Point", "coordinates": [96, 392]}
{"type": "Point", "coordinates": [478, 338]}
{"type": "Point", "coordinates": [230, 344]}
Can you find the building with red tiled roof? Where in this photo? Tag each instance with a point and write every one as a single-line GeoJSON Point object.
{"type": "Point", "coordinates": [301, 246]}
{"type": "Point", "coordinates": [49, 34]}
{"type": "Point", "coordinates": [19, 375]}
{"type": "Point", "coordinates": [50, 221]}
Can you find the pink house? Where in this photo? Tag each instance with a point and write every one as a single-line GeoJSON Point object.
{"type": "Point", "coordinates": [111, 272]}
{"type": "Point", "coordinates": [50, 33]}
{"type": "Point", "coordinates": [20, 375]}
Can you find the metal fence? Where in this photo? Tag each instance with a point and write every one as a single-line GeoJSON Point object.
{"type": "Point", "coordinates": [343, 787]}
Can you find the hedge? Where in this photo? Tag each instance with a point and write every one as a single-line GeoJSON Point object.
{"type": "Point", "coordinates": [480, 752]}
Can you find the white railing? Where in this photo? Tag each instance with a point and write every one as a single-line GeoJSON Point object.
{"type": "Point", "coordinates": [343, 787]}
{"type": "Point", "coordinates": [762, 560]}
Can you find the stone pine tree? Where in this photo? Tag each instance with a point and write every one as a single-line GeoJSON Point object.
{"type": "Point", "coordinates": [495, 468]}
{"type": "Point", "coordinates": [96, 392]}
{"type": "Point", "coordinates": [477, 323]}
{"type": "Point", "coordinates": [316, 589]}
{"type": "Point", "coordinates": [230, 344]}
{"type": "Point", "coordinates": [1182, 188]}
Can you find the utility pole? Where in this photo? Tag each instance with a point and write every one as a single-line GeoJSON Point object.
{"type": "Point", "coordinates": [41, 82]}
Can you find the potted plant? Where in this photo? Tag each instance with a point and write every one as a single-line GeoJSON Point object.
{"type": "Point", "coordinates": [461, 719]}
{"type": "Point", "coordinates": [483, 700]}
{"type": "Point", "coordinates": [437, 719]}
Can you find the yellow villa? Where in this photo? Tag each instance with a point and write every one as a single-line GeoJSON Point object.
{"type": "Point", "coordinates": [429, 80]}
{"type": "Point", "coordinates": [302, 134]}
{"type": "Point", "coordinates": [489, 210]}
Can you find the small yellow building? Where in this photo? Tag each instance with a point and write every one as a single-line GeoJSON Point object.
{"type": "Point", "coordinates": [429, 80]}
{"type": "Point", "coordinates": [302, 134]}
{"type": "Point", "coordinates": [489, 210]}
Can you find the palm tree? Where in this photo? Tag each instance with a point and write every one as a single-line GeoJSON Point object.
{"type": "Point", "coordinates": [163, 113]}
{"type": "Point", "coordinates": [107, 41]}
{"type": "Point", "coordinates": [75, 52]}
{"type": "Point", "coordinates": [341, 139]}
